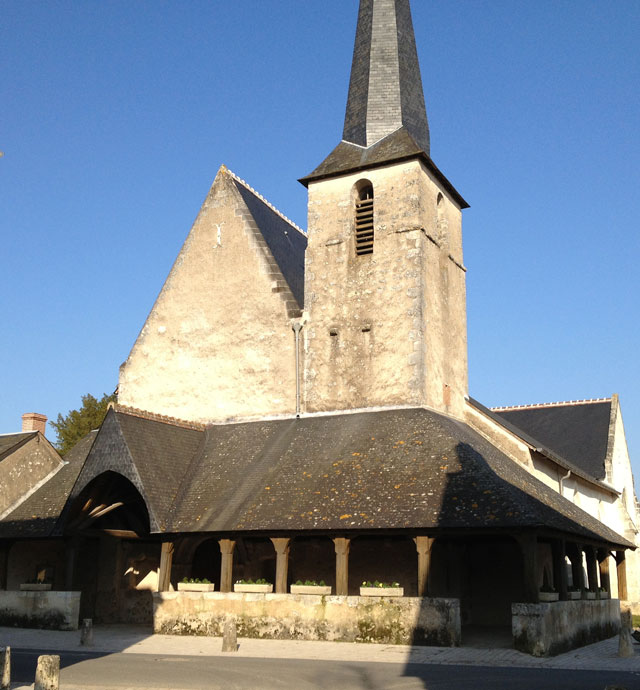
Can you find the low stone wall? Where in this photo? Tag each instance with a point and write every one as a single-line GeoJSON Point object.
{"type": "Point", "coordinates": [389, 620]}
{"type": "Point", "coordinates": [50, 610]}
{"type": "Point", "coordinates": [550, 629]}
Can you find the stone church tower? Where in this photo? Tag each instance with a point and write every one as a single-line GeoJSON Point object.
{"type": "Point", "coordinates": [384, 276]}
{"type": "Point", "coordinates": [367, 309]}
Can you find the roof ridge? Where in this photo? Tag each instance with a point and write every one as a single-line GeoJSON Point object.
{"type": "Point", "coordinates": [585, 401]}
{"type": "Point", "coordinates": [153, 417]}
{"type": "Point", "coordinates": [246, 185]}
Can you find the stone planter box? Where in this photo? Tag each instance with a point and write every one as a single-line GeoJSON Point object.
{"type": "Point", "coordinates": [605, 595]}
{"type": "Point", "coordinates": [575, 595]}
{"type": "Point", "coordinates": [591, 595]}
{"type": "Point", "coordinates": [255, 589]}
{"type": "Point", "coordinates": [195, 587]}
{"type": "Point", "coordinates": [548, 596]}
{"type": "Point", "coordinates": [36, 587]}
{"type": "Point", "coordinates": [320, 590]}
{"type": "Point", "coordinates": [381, 591]}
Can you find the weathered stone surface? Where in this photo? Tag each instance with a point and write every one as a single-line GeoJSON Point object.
{"type": "Point", "coordinates": [625, 645]}
{"type": "Point", "coordinates": [5, 668]}
{"type": "Point", "coordinates": [50, 610]}
{"type": "Point", "coordinates": [230, 636]}
{"type": "Point", "coordinates": [218, 342]}
{"type": "Point", "coordinates": [552, 628]}
{"type": "Point", "coordinates": [47, 673]}
{"type": "Point", "coordinates": [392, 620]}
{"type": "Point", "coordinates": [387, 328]}
{"type": "Point", "coordinates": [86, 632]}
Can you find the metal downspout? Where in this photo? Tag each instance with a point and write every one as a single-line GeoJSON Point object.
{"type": "Point", "coordinates": [297, 327]}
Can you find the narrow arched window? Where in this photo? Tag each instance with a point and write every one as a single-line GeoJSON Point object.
{"type": "Point", "coordinates": [364, 218]}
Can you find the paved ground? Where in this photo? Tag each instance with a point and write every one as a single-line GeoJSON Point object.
{"type": "Point", "coordinates": [135, 640]}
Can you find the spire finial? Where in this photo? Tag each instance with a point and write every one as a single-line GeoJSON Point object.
{"type": "Point", "coordinates": [385, 92]}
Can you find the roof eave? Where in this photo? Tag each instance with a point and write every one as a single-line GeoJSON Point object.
{"type": "Point", "coordinates": [422, 156]}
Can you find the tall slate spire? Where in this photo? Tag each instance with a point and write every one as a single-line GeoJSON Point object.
{"type": "Point", "coordinates": [385, 92]}
{"type": "Point", "coordinates": [386, 119]}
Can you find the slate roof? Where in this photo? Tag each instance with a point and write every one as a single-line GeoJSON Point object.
{"type": "Point", "coordinates": [385, 89]}
{"type": "Point", "coordinates": [398, 146]}
{"type": "Point", "coordinates": [578, 432]}
{"type": "Point", "coordinates": [153, 455]}
{"type": "Point", "coordinates": [391, 469]}
{"type": "Point", "coordinates": [10, 442]}
{"type": "Point", "coordinates": [286, 242]}
{"type": "Point", "coordinates": [396, 469]}
{"type": "Point", "coordinates": [37, 515]}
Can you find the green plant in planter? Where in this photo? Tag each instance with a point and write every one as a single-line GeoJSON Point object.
{"type": "Point", "coordinates": [310, 583]}
{"type": "Point", "coordinates": [259, 581]}
{"type": "Point", "coordinates": [377, 583]}
{"type": "Point", "coordinates": [196, 581]}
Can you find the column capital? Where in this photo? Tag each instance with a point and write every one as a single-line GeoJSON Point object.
{"type": "Point", "coordinates": [226, 545]}
{"type": "Point", "coordinates": [341, 545]}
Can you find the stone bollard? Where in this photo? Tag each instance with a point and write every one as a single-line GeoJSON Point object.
{"type": "Point", "coordinates": [230, 637]}
{"type": "Point", "coordinates": [625, 646]}
{"type": "Point", "coordinates": [5, 668]}
{"type": "Point", "coordinates": [48, 673]}
{"type": "Point", "coordinates": [86, 632]}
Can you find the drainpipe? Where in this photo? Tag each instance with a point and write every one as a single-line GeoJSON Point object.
{"type": "Point", "coordinates": [297, 327]}
{"type": "Point", "coordinates": [561, 481]}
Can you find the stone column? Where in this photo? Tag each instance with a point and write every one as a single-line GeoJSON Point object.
{"type": "Point", "coordinates": [423, 547]}
{"type": "Point", "coordinates": [603, 560]}
{"type": "Point", "coordinates": [621, 570]}
{"type": "Point", "coordinates": [166, 560]}
{"type": "Point", "coordinates": [592, 570]}
{"type": "Point", "coordinates": [529, 546]}
{"type": "Point", "coordinates": [558, 548]}
{"type": "Point", "coordinates": [281, 546]}
{"type": "Point", "coordinates": [226, 565]}
{"type": "Point", "coordinates": [341, 545]}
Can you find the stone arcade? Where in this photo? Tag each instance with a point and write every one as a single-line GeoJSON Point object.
{"type": "Point", "coordinates": [296, 408]}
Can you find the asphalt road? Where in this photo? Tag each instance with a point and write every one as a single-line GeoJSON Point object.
{"type": "Point", "coordinates": [157, 672]}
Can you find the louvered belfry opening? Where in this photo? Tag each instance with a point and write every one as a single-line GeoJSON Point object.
{"type": "Point", "coordinates": [364, 221]}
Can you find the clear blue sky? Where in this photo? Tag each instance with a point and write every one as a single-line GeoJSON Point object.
{"type": "Point", "coordinates": [116, 116]}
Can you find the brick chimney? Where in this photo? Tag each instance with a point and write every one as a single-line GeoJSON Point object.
{"type": "Point", "coordinates": [32, 421]}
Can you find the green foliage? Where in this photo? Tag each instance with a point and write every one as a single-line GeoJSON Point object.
{"type": "Point", "coordinates": [311, 583]}
{"type": "Point", "coordinates": [377, 583]}
{"type": "Point", "coordinates": [260, 581]}
{"type": "Point", "coordinates": [196, 581]}
{"type": "Point", "coordinates": [79, 423]}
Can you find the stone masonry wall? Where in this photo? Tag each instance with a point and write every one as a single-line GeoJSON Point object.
{"type": "Point", "coordinates": [388, 328]}
{"type": "Point", "coordinates": [550, 629]}
{"type": "Point", "coordinates": [218, 342]}
{"type": "Point", "coordinates": [389, 620]}
{"type": "Point", "coordinates": [49, 610]}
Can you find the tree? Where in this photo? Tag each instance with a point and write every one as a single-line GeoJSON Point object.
{"type": "Point", "coordinates": [79, 423]}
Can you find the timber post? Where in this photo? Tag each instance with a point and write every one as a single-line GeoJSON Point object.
{"type": "Point", "coordinates": [423, 547]}
{"type": "Point", "coordinates": [341, 545]}
{"type": "Point", "coordinates": [560, 580]}
{"type": "Point", "coordinates": [621, 571]}
{"type": "Point", "coordinates": [226, 564]}
{"type": "Point", "coordinates": [603, 562]}
{"type": "Point", "coordinates": [281, 545]}
{"type": "Point", "coordinates": [166, 560]}
{"type": "Point", "coordinates": [529, 547]}
{"type": "Point", "coordinates": [4, 565]}
{"type": "Point", "coordinates": [592, 570]}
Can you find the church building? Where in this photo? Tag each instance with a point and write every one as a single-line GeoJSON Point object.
{"type": "Point", "coordinates": [296, 409]}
